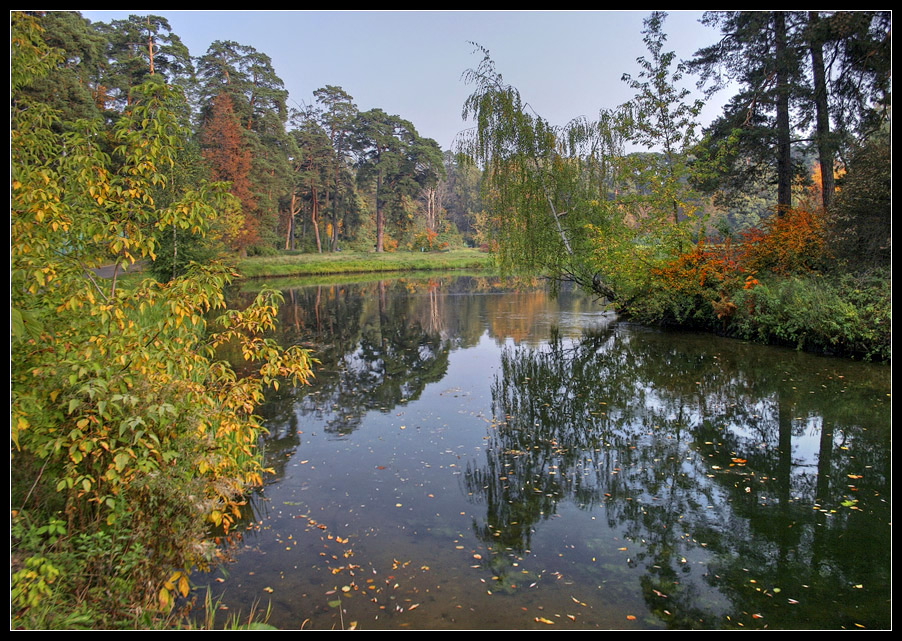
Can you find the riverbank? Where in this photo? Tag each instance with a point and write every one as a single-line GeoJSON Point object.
{"type": "Point", "coordinates": [360, 262]}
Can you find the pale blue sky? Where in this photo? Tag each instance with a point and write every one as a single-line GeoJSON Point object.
{"type": "Point", "coordinates": [565, 63]}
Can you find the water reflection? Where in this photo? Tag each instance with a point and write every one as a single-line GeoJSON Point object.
{"type": "Point", "coordinates": [723, 471]}
{"type": "Point", "coordinates": [541, 464]}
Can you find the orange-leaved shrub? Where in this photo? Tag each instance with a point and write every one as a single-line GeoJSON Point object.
{"type": "Point", "coordinates": [698, 287]}
{"type": "Point", "coordinates": [789, 243]}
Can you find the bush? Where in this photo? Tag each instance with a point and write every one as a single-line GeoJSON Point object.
{"type": "Point", "coordinates": [849, 315]}
{"type": "Point", "coordinates": [130, 439]}
{"type": "Point", "coordinates": [766, 288]}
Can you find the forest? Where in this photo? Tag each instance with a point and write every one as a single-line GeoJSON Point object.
{"type": "Point", "coordinates": [133, 438]}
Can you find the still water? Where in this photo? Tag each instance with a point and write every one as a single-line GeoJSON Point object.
{"type": "Point", "coordinates": [472, 456]}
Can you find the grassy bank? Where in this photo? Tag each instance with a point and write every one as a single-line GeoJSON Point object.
{"type": "Point", "coordinates": [356, 263]}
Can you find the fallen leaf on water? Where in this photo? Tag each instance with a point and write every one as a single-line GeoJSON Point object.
{"type": "Point", "coordinates": [267, 589]}
{"type": "Point", "coordinates": [544, 620]}
{"type": "Point", "coordinates": [630, 617]}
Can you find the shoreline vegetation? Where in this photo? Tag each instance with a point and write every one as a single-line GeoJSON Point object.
{"type": "Point", "coordinates": [846, 317]}
{"type": "Point", "coordinates": [305, 264]}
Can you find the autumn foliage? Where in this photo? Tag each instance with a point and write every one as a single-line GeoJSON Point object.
{"type": "Point", "coordinates": [229, 159]}
{"type": "Point", "coordinates": [789, 243]}
{"type": "Point", "coordinates": [699, 286]}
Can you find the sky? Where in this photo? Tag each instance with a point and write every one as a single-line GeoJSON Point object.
{"type": "Point", "coordinates": [565, 64]}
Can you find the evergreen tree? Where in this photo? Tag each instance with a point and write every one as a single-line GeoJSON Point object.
{"type": "Point", "coordinates": [73, 89]}
{"type": "Point", "coordinates": [392, 156]}
{"type": "Point", "coordinates": [337, 115]}
{"type": "Point", "coordinates": [137, 48]}
{"type": "Point", "coordinates": [756, 51]}
{"type": "Point", "coordinates": [312, 161]}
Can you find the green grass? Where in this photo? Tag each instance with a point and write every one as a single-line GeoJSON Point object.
{"type": "Point", "coordinates": [359, 263]}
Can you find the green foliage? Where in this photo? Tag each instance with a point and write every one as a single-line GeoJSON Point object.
{"type": "Point", "coordinates": [861, 229]}
{"type": "Point", "coordinates": [257, 112]}
{"type": "Point", "coordinates": [122, 415]}
{"type": "Point", "coordinates": [544, 188]}
{"type": "Point", "coordinates": [566, 203]}
{"type": "Point", "coordinates": [764, 287]}
{"type": "Point", "coordinates": [660, 116]}
{"type": "Point", "coordinates": [393, 157]}
{"type": "Point", "coordinates": [850, 316]}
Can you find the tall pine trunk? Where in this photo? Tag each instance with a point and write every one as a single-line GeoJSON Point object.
{"type": "Point", "coordinates": [784, 153]}
{"type": "Point", "coordinates": [822, 115]}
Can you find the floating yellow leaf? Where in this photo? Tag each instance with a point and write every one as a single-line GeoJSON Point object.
{"type": "Point", "coordinates": [544, 620]}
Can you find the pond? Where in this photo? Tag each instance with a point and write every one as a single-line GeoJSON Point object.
{"type": "Point", "coordinates": [472, 456]}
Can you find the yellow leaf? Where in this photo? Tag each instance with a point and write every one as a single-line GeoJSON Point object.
{"type": "Point", "coordinates": [183, 585]}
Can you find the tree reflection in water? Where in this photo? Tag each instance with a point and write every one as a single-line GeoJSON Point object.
{"type": "Point", "coordinates": [692, 481]}
{"type": "Point", "coordinates": [694, 455]}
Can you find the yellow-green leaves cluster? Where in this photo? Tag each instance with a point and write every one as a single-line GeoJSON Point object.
{"type": "Point", "coordinates": [120, 401]}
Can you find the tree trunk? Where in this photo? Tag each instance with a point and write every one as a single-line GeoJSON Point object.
{"type": "Point", "coordinates": [822, 115]}
{"type": "Point", "coordinates": [314, 221]}
{"type": "Point", "coordinates": [294, 209]}
{"type": "Point", "coordinates": [379, 212]}
{"type": "Point", "coordinates": [784, 155]}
